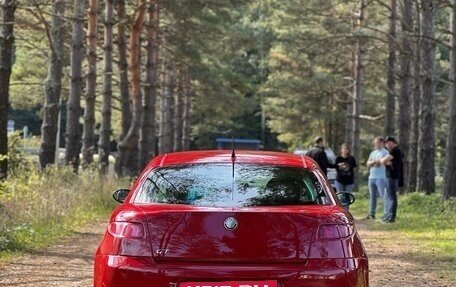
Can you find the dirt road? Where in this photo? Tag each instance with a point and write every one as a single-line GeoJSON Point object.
{"type": "Point", "coordinates": [390, 266]}
{"type": "Point", "coordinates": [70, 263]}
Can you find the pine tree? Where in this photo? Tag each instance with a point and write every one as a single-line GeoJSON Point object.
{"type": "Point", "coordinates": [7, 9]}
{"type": "Point", "coordinates": [53, 86]}
{"type": "Point", "coordinates": [73, 128]}
{"type": "Point", "coordinates": [449, 182]}
{"type": "Point", "coordinates": [105, 127]}
{"type": "Point", "coordinates": [88, 134]}
{"type": "Point", "coordinates": [128, 146]}
{"type": "Point", "coordinates": [426, 164]}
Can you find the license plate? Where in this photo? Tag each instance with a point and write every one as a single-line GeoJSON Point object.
{"type": "Point", "coordinates": [265, 283]}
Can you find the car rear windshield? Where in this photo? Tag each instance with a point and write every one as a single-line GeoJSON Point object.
{"type": "Point", "coordinates": [241, 185]}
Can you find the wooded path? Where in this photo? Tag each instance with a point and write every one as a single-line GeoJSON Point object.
{"type": "Point", "coordinates": [70, 263]}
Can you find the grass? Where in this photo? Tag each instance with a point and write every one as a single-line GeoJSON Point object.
{"type": "Point", "coordinates": [425, 222]}
{"type": "Point", "coordinates": [38, 209]}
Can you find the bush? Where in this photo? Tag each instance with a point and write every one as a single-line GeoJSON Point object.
{"type": "Point", "coordinates": [17, 160]}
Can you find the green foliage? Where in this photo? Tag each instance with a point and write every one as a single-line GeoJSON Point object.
{"type": "Point", "coordinates": [38, 208]}
{"type": "Point", "coordinates": [206, 38]}
{"type": "Point", "coordinates": [291, 59]}
{"type": "Point", "coordinates": [17, 160]}
{"type": "Point", "coordinates": [30, 67]}
{"type": "Point", "coordinates": [310, 64]}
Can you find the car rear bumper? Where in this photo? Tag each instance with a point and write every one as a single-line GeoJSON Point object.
{"type": "Point", "coordinates": [121, 271]}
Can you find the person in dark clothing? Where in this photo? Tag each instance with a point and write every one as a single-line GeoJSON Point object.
{"type": "Point", "coordinates": [345, 165]}
{"type": "Point", "coordinates": [394, 174]}
{"type": "Point", "coordinates": [318, 154]}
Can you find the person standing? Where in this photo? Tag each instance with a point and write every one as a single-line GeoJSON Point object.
{"type": "Point", "coordinates": [377, 176]}
{"type": "Point", "coordinates": [394, 173]}
{"type": "Point", "coordinates": [345, 165]}
{"type": "Point", "coordinates": [318, 154]}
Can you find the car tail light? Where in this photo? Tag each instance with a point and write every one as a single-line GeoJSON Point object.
{"type": "Point", "coordinates": [334, 231]}
{"type": "Point", "coordinates": [127, 229]}
{"type": "Point", "coordinates": [129, 239]}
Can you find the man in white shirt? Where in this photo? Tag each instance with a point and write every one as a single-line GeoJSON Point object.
{"type": "Point", "coordinates": [377, 175]}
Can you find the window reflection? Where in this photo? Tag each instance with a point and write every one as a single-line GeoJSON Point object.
{"type": "Point", "coordinates": [214, 185]}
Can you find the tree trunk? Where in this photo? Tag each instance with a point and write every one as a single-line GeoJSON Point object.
{"type": "Point", "coordinates": [449, 178]}
{"type": "Point", "coordinates": [358, 87]}
{"type": "Point", "coordinates": [405, 81]}
{"type": "Point", "coordinates": [127, 148]}
{"type": "Point", "coordinates": [187, 114]}
{"type": "Point", "coordinates": [88, 134]}
{"type": "Point", "coordinates": [124, 83]}
{"type": "Point", "coordinates": [73, 129]}
{"type": "Point", "coordinates": [415, 104]}
{"type": "Point", "coordinates": [53, 86]}
{"type": "Point", "coordinates": [179, 111]}
{"type": "Point", "coordinates": [391, 72]}
{"type": "Point", "coordinates": [426, 165]}
{"type": "Point", "coordinates": [147, 132]}
{"type": "Point", "coordinates": [6, 63]}
{"type": "Point", "coordinates": [348, 137]}
{"type": "Point", "coordinates": [105, 128]}
{"type": "Point", "coordinates": [166, 110]}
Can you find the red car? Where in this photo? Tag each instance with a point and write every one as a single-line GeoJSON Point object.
{"type": "Point", "coordinates": [219, 219]}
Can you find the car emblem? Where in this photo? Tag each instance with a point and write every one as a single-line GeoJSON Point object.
{"type": "Point", "coordinates": [161, 252]}
{"type": "Point", "coordinates": [230, 223]}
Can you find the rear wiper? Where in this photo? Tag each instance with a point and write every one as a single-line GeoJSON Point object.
{"type": "Point", "coordinates": [172, 185]}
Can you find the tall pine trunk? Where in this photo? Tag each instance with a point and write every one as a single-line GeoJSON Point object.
{"type": "Point", "coordinates": [105, 128]}
{"type": "Point", "coordinates": [449, 182]}
{"type": "Point", "coordinates": [405, 78]}
{"type": "Point", "coordinates": [124, 82]}
{"type": "Point", "coordinates": [88, 134]}
{"type": "Point", "coordinates": [147, 132]}
{"type": "Point", "coordinates": [166, 110]}
{"type": "Point", "coordinates": [415, 104]}
{"type": "Point", "coordinates": [426, 165]}
{"type": "Point", "coordinates": [53, 86]}
{"type": "Point", "coordinates": [187, 113]}
{"type": "Point", "coordinates": [391, 72]}
{"type": "Point", "coordinates": [7, 9]}
{"type": "Point", "coordinates": [73, 129]}
{"type": "Point", "coordinates": [358, 90]}
{"type": "Point", "coordinates": [348, 135]}
{"type": "Point", "coordinates": [179, 111]}
{"type": "Point", "coordinates": [128, 147]}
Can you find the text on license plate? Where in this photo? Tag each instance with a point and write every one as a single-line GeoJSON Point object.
{"type": "Point", "coordinates": [265, 283]}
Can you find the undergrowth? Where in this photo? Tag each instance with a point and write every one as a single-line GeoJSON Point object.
{"type": "Point", "coordinates": [37, 208]}
{"type": "Point", "coordinates": [424, 222]}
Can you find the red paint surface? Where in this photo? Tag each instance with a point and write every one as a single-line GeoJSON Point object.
{"type": "Point", "coordinates": [268, 283]}
{"type": "Point", "coordinates": [163, 245]}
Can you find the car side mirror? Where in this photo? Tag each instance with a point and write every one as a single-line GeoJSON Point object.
{"type": "Point", "coordinates": [346, 198]}
{"type": "Point", "coordinates": [120, 194]}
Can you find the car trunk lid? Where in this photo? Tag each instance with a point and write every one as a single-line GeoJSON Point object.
{"type": "Point", "coordinates": [248, 235]}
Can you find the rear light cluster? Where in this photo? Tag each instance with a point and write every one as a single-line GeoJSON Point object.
{"type": "Point", "coordinates": [127, 229]}
{"type": "Point", "coordinates": [334, 231]}
{"type": "Point", "coordinates": [129, 239]}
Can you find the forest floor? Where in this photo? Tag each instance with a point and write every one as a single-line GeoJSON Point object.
{"type": "Point", "coordinates": [69, 263]}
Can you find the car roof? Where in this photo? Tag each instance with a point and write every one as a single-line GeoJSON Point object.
{"type": "Point", "coordinates": [224, 156]}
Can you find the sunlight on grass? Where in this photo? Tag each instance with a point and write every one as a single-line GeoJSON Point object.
{"type": "Point", "coordinates": [39, 208]}
{"type": "Point", "coordinates": [426, 223]}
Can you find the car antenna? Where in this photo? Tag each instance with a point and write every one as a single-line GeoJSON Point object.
{"type": "Point", "coordinates": [233, 155]}
{"type": "Point", "coordinates": [233, 161]}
